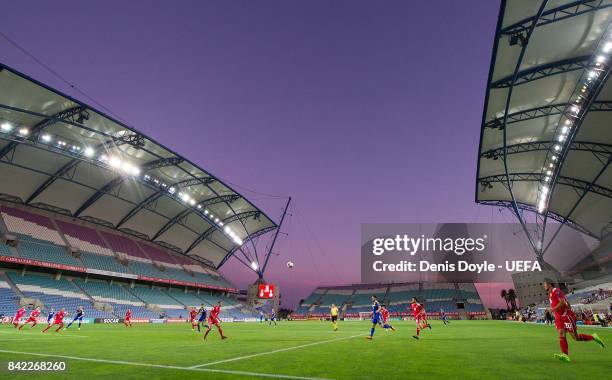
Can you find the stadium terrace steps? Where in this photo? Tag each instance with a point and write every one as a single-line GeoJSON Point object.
{"type": "Point", "coordinates": [187, 299]}
{"type": "Point", "coordinates": [102, 262]}
{"type": "Point", "coordinates": [102, 291]}
{"type": "Point", "coordinates": [160, 256]}
{"type": "Point", "coordinates": [155, 296]}
{"type": "Point", "coordinates": [125, 246]}
{"type": "Point", "coordinates": [5, 250]}
{"type": "Point", "coordinates": [84, 238]}
{"type": "Point", "coordinates": [397, 296]}
{"type": "Point", "coordinates": [36, 249]}
{"type": "Point", "coordinates": [9, 299]}
{"type": "Point", "coordinates": [34, 225]}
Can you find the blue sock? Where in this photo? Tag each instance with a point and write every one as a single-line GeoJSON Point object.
{"type": "Point", "coordinates": [79, 324]}
{"type": "Point", "coordinates": [372, 331]}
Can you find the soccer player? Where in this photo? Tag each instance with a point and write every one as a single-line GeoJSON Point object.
{"type": "Point", "coordinates": [333, 314]}
{"type": "Point", "coordinates": [420, 317]}
{"type": "Point", "coordinates": [128, 318]}
{"type": "Point", "coordinates": [375, 316]}
{"type": "Point", "coordinates": [18, 315]}
{"type": "Point", "coordinates": [202, 319]}
{"type": "Point", "coordinates": [80, 313]}
{"type": "Point", "coordinates": [32, 318]}
{"type": "Point", "coordinates": [273, 318]}
{"type": "Point", "coordinates": [192, 318]}
{"type": "Point", "coordinates": [444, 317]}
{"type": "Point", "coordinates": [213, 320]}
{"type": "Point", "coordinates": [385, 318]}
{"type": "Point", "coordinates": [58, 319]}
{"type": "Point", "coordinates": [50, 316]}
{"type": "Point", "coordinates": [565, 320]}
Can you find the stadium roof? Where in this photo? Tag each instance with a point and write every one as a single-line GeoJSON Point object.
{"type": "Point", "coordinates": [546, 141]}
{"type": "Point", "coordinates": [59, 154]}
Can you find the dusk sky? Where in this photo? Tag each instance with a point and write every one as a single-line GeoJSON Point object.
{"type": "Point", "coordinates": [362, 111]}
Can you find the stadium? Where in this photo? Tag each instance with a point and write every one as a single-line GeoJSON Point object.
{"type": "Point", "coordinates": [131, 239]}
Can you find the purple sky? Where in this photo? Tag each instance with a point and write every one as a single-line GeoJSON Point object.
{"type": "Point", "coordinates": [362, 111]}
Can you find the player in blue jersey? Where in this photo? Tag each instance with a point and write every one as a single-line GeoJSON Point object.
{"type": "Point", "coordinates": [375, 315]}
{"type": "Point", "coordinates": [50, 316]}
{"type": "Point", "coordinates": [444, 317]}
{"type": "Point", "coordinates": [202, 318]}
{"type": "Point", "coordinates": [273, 318]}
{"type": "Point", "coordinates": [78, 316]}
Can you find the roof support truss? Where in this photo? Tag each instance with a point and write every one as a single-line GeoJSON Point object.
{"type": "Point", "coordinates": [188, 211]}
{"type": "Point", "coordinates": [543, 71]}
{"type": "Point", "coordinates": [232, 218]}
{"type": "Point", "coordinates": [155, 164]}
{"type": "Point", "coordinates": [562, 12]}
{"type": "Point", "coordinates": [544, 111]}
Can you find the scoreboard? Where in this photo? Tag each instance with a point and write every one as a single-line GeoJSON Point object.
{"type": "Point", "coordinates": [266, 291]}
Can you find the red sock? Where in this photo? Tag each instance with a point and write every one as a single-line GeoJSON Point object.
{"type": "Point", "coordinates": [418, 331]}
{"type": "Point", "coordinates": [47, 328]}
{"type": "Point", "coordinates": [220, 331]}
{"type": "Point", "coordinates": [563, 344]}
{"type": "Point", "coordinates": [585, 337]}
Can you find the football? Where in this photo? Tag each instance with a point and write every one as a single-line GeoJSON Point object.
{"type": "Point", "coordinates": [289, 264]}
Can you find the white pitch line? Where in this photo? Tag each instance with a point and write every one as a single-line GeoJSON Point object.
{"type": "Point", "coordinates": [274, 351]}
{"type": "Point", "coordinates": [121, 362]}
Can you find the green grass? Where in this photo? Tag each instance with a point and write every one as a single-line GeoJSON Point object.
{"type": "Point", "coordinates": [464, 349]}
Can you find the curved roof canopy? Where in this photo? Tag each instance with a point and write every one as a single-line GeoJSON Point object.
{"type": "Point", "coordinates": [62, 155]}
{"type": "Point", "coordinates": [546, 137]}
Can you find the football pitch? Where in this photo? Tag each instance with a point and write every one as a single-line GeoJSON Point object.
{"type": "Point", "coordinates": [307, 350]}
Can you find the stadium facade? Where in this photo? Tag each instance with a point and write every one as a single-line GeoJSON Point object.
{"type": "Point", "coordinates": [95, 213]}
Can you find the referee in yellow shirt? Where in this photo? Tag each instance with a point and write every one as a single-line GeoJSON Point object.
{"type": "Point", "coordinates": [333, 311]}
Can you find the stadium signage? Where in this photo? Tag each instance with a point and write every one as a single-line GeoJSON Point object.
{"type": "Point", "coordinates": [22, 261]}
{"type": "Point", "coordinates": [186, 283]}
{"type": "Point", "coordinates": [108, 320]}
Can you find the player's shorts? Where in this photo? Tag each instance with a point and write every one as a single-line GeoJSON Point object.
{"type": "Point", "coordinates": [375, 319]}
{"type": "Point", "coordinates": [334, 318]}
{"type": "Point", "coordinates": [56, 322]}
{"type": "Point", "coordinates": [129, 319]}
{"type": "Point", "coordinates": [566, 320]}
{"type": "Point", "coordinates": [78, 318]}
{"type": "Point", "coordinates": [213, 321]}
{"type": "Point", "coordinates": [30, 319]}
{"type": "Point", "coordinates": [202, 319]}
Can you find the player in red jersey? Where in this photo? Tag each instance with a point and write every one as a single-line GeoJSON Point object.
{"type": "Point", "coordinates": [32, 318]}
{"type": "Point", "coordinates": [385, 318]}
{"type": "Point", "coordinates": [128, 318]}
{"type": "Point", "coordinates": [193, 314]}
{"type": "Point", "coordinates": [18, 315]}
{"type": "Point", "coordinates": [58, 319]}
{"type": "Point", "coordinates": [565, 320]}
{"type": "Point", "coordinates": [213, 319]}
{"type": "Point", "coordinates": [420, 317]}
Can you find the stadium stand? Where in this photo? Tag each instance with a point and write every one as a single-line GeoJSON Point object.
{"type": "Point", "coordinates": [185, 298]}
{"type": "Point", "coordinates": [9, 300]}
{"type": "Point", "coordinates": [30, 224]}
{"type": "Point", "coordinates": [155, 296]}
{"type": "Point", "coordinates": [43, 250]}
{"type": "Point", "coordinates": [55, 294]}
{"type": "Point", "coordinates": [103, 262]}
{"type": "Point", "coordinates": [357, 299]}
{"type": "Point", "coordinates": [160, 256]}
{"type": "Point", "coordinates": [84, 238]}
{"type": "Point", "coordinates": [5, 250]}
{"type": "Point", "coordinates": [125, 246]}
